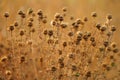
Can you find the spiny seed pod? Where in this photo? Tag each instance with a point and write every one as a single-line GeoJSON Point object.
{"type": "Point", "coordinates": [98, 26]}
{"type": "Point", "coordinates": [74, 68]}
{"type": "Point", "coordinates": [8, 72]}
{"type": "Point", "coordinates": [63, 25]}
{"type": "Point", "coordinates": [45, 32]}
{"type": "Point", "coordinates": [103, 28]}
{"type": "Point", "coordinates": [113, 45]}
{"type": "Point", "coordinates": [50, 32]}
{"type": "Point", "coordinates": [106, 43]}
{"type": "Point", "coordinates": [115, 50]}
{"type": "Point", "coordinates": [16, 24]}
{"type": "Point", "coordinates": [11, 28]}
{"type": "Point", "coordinates": [70, 34]}
{"type": "Point", "coordinates": [94, 14]}
{"type": "Point", "coordinates": [6, 14]}
{"type": "Point", "coordinates": [30, 24]}
{"type": "Point", "coordinates": [40, 13]}
{"type": "Point", "coordinates": [109, 17]}
{"type": "Point", "coordinates": [113, 28]}
{"type": "Point", "coordinates": [53, 69]}
{"type": "Point", "coordinates": [85, 19]}
{"type": "Point", "coordinates": [64, 44]}
{"type": "Point", "coordinates": [64, 9]}
{"type": "Point", "coordinates": [21, 32]}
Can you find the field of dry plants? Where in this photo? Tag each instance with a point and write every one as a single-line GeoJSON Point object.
{"type": "Point", "coordinates": [43, 40]}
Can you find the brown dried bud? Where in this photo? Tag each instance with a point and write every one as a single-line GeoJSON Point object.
{"type": "Point", "coordinates": [64, 44]}
{"type": "Point", "coordinates": [70, 34]}
{"type": "Point", "coordinates": [50, 32]}
{"type": "Point", "coordinates": [45, 32]}
{"type": "Point", "coordinates": [53, 69]}
{"type": "Point", "coordinates": [63, 25]}
{"type": "Point", "coordinates": [98, 26]}
{"type": "Point", "coordinates": [8, 72]}
{"type": "Point", "coordinates": [103, 28]}
{"type": "Point", "coordinates": [64, 9]}
{"type": "Point", "coordinates": [106, 43]}
{"type": "Point", "coordinates": [40, 13]}
{"type": "Point", "coordinates": [30, 24]}
{"type": "Point", "coordinates": [85, 19]}
{"type": "Point", "coordinates": [113, 28]}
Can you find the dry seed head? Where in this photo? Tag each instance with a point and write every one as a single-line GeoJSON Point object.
{"type": "Point", "coordinates": [16, 24]}
{"type": "Point", "coordinates": [40, 13]}
{"type": "Point", "coordinates": [109, 17]}
{"type": "Point", "coordinates": [29, 42]}
{"type": "Point", "coordinates": [30, 11]}
{"type": "Point", "coordinates": [71, 18]}
{"type": "Point", "coordinates": [74, 68]}
{"type": "Point", "coordinates": [106, 43]}
{"type": "Point", "coordinates": [22, 32]}
{"type": "Point", "coordinates": [94, 14]}
{"type": "Point", "coordinates": [109, 33]}
{"type": "Point", "coordinates": [57, 15]}
{"type": "Point", "coordinates": [70, 34]}
{"type": "Point", "coordinates": [92, 39]}
{"type": "Point", "coordinates": [88, 74]}
{"type": "Point", "coordinates": [53, 23]}
{"type": "Point", "coordinates": [72, 56]}
{"type": "Point", "coordinates": [23, 15]}
{"type": "Point", "coordinates": [64, 25]}
{"type": "Point", "coordinates": [20, 12]}
{"type": "Point", "coordinates": [30, 24]}
{"type": "Point", "coordinates": [22, 59]}
{"type": "Point", "coordinates": [6, 14]}
{"type": "Point", "coordinates": [113, 28]}
{"type": "Point", "coordinates": [116, 50]}
{"type": "Point", "coordinates": [61, 65]}
{"type": "Point", "coordinates": [4, 59]}
{"type": "Point", "coordinates": [101, 49]}
{"type": "Point", "coordinates": [64, 44]}
{"type": "Point", "coordinates": [61, 18]}
{"type": "Point", "coordinates": [44, 21]}
{"type": "Point", "coordinates": [113, 45]}
{"type": "Point", "coordinates": [85, 19]}
{"type": "Point", "coordinates": [50, 32]}
{"type": "Point", "coordinates": [31, 19]}
{"type": "Point", "coordinates": [11, 28]}
{"type": "Point", "coordinates": [98, 26]}
{"type": "Point", "coordinates": [21, 44]}
{"type": "Point", "coordinates": [103, 28]}
{"type": "Point", "coordinates": [53, 69]}
{"type": "Point", "coordinates": [109, 48]}
{"type": "Point", "coordinates": [33, 30]}
{"type": "Point", "coordinates": [8, 72]}
{"type": "Point", "coordinates": [64, 9]}
{"type": "Point", "coordinates": [45, 32]}
{"type": "Point", "coordinates": [50, 41]}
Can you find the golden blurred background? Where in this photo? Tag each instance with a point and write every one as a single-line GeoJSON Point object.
{"type": "Point", "coordinates": [78, 8]}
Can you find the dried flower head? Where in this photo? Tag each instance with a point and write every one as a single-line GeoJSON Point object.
{"type": "Point", "coordinates": [16, 24]}
{"type": "Point", "coordinates": [50, 32]}
{"type": "Point", "coordinates": [113, 28]}
{"type": "Point", "coordinates": [103, 28]}
{"type": "Point", "coordinates": [8, 72]}
{"type": "Point", "coordinates": [11, 28]}
{"type": "Point", "coordinates": [64, 9]}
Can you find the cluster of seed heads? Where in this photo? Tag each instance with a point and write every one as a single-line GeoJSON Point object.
{"type": "Point", "coordinates": [58, 49]}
